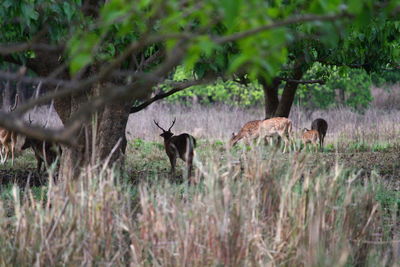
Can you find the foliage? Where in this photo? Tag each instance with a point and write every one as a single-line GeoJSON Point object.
{"type": "Point", "coordinates": [355, 85]}
{"type": "Point", "coordinates": [385, 77]}
{"type": "Point", "coordinates": [228, 92]}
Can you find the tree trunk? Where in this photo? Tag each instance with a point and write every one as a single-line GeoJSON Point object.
{"type": "Point", "coordinates": [6, 96]}
{"type": "Point", "coordinates": [288, 95]}
{"type": "Point", "coordinates": [20, 92]}
{"type": "Point", "coordinates": [101, 139]}
{"type": "Point", "coordinates": [109, 131]}
{"type": "Point", "coordinates": [271, 99]}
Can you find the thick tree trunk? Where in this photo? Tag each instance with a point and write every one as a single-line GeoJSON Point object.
{"type": "Point", "coordinates": [111, 131]}
{"type": "Point", "coordinates": [102, 139]}
{"type": "Point", "coordinates": [271, 99]}
{"type": "Point", "coordinates": [288, 95]}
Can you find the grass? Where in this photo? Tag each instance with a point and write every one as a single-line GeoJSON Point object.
{"type": "Point", "coordinates": [249, 206]}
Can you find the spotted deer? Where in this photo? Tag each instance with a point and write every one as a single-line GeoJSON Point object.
{"type": "Point", "coordinates": [178, 146]}
{"type": "Point", "coordinates": [321, 126]}
{"type": "Point", "coordinates": [8, 139]}
{"type": "Point", "coordinates": [261, 129]}
{"type": "Point", "coordinates": [310, 136]}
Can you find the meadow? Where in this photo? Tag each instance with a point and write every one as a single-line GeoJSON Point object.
{"type": "Point", "coordinates": [249, 206]}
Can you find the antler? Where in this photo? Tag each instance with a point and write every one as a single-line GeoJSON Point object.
{"type": "Point", "coordinates": [15, 103]}
{"type": "Point", "coordinates": [172, 124]}
{"type": "Point", "coordinates": [159, 126]}
{"type": "Point", "coordinates": [29, 118]}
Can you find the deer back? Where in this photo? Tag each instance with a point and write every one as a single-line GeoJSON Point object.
{"type": "Point", "coordinates": [310, 136]}
{"type": "Point", "coordinates": [183, 143]}
{"type": "Point", "coordinates": [320, 125]}
{"type": "Point", "coordinates": [278, 125]}
{"type": "Point", "coordinates": [251, 128]}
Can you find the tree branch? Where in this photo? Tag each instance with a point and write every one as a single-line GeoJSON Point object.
{"type": "Point", "coordinates": [289, 21]}
{"type": "Point", "coordinates": [300, 81]}
{"type": "Point", "coordinates": [178, 87]}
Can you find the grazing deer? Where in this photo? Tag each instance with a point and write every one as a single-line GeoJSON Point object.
{"type": "Point", "coordinates": [44, 151]}
{"type": "Point", "coordinates": [321, 126]}
{"type": "Point", "coordinates": [249, 131]}
{"type": "Point", "coordinates": [310, 136]}
{"type": "Point", "coordinates": [265, 128]}
{"type": "Point", "coordinates": [178, 145]}
{"type": "Point", "coordinates": [8, 139]}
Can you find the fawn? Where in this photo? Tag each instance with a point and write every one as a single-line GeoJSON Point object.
{"type": "Point", "coordinates": [321, 126]}
{"type": "Point", "coordinates": [310, 136]}
{"type": "Point", "coordinates": [178, 146]}
{"type": "Point", "coordinates": [8, 139]}
{"type": "Point", "coordinates": [265, 128]}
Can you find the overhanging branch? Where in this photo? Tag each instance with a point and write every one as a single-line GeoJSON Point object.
{"type": "Point", "coordinates": [289, 21]}
{"type": "Point", "coordinates": [300, 81]}
{"type": "Point", "coordinates": [177, 87]}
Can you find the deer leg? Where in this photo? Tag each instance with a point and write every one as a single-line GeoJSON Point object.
{"type": "Point", "coordinates": [172, 160]}
{"type": "Point", "coordinates": [1, 154]}
{"type": "Point", "coordinates": [12, 152]}
{"type": "Point", "coordinates": [286, 143]}
{"type": "Point", "coordinates": [39, 165]}
{"type": "Point", "coordinates": [6, 154]}
{"type": "Point", "coordinates": [189, 165]}
{"type": "Point", "coordinates": [321, 142]}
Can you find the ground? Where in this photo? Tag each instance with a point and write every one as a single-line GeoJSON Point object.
{"type": "Point", "coordinates": [146, 158]}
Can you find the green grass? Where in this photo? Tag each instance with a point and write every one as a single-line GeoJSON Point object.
{"type": "Point", "coordinates": [249, 207]}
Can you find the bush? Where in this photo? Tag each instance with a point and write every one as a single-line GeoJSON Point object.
{"type": "Point", "coordinates": [386, 77]}
{"type": "Point", "coordinates": [343, 87]}
{"type": "Point", "coordinates": [228, 92]}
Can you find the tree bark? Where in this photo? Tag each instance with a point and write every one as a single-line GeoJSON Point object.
{"type": "Point", "coordinates": [6, 96]}
{"type": "Point", "coordinates": [271, 99]}
{"type": "Point", "coordinates": [100, 139]}
{"type": "Point", "coordinates": [288, 94]}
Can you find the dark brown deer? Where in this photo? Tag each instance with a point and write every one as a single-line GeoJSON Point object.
{"type": "Point", "coordinates": [8, 139]}
{"type": "Point", "coordinates": [44, 151]}
{"type": "Point", "coordinates": [321, 126]}
{"type": "Point", "coordinates": [178, 146]}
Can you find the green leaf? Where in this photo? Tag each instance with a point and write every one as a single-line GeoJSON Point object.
{"type": "Point", "coordinates": [68, 10]}
{"type": "Point", "coordinates": [79, 61]}
{"type": "Point", "coordinates": [237, 62]}
{"type": "Point", "coordinates": [231, 10]}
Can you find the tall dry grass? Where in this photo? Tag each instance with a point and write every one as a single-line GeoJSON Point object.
{"type": "Point", "coordinates": [219, 121]}
{"type": "Point", "coordinates": [262, 212]}
{"type": "Point", "coordinates": [379, 123]}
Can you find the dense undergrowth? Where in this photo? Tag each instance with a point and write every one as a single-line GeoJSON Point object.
{"type": "Point", "coordinates": [255, 207]}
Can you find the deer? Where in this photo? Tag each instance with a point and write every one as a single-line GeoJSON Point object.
{"type": "Point", "coordinates": [310, 136]}
{"type": "Point", "coordinates": [8, 139]}
{"type": "Point", "coordinates": [321, 126]}
{"type": "Point", "coordinates": [44, 151]}
{"type": "Point", "coordinates": [261, 129]}
{"type": "Point", "coordinates": [181, 146]}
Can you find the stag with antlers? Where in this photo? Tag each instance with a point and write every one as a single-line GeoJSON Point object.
{"type": "Point", "coordinates": [178, 145]}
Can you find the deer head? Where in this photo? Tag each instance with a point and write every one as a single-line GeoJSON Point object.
{"type": "Point", "coordinates": [166, 134]}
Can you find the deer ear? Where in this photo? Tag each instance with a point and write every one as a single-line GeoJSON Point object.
{"type": "Point", "coordinates": [233, 134]}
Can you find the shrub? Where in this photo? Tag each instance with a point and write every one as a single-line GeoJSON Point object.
{"type": "Point", "coordinates": [343, 87]}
